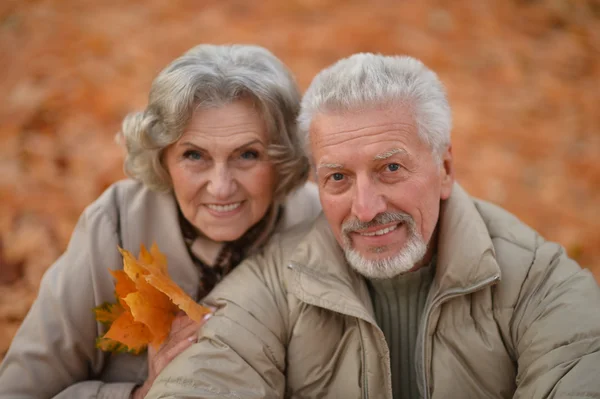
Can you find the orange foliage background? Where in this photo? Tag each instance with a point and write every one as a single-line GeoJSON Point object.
{"type": "Point", "coordinates": [522, 78]}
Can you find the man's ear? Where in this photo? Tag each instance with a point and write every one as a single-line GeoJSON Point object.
{"type": "Point", "coordinates": [447, 173]}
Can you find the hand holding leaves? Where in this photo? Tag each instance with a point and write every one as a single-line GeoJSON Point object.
{"type": "Point", "coordinates": [147, 303]}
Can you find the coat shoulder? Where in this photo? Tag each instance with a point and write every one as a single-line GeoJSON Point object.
{"type": "Point", "coordinates": [110, 202]}
{"type": "Point", "coordinates": [302, 206]}
{"type": "Point", "coordinates": [503, 225]}
{"type": "Point", "coordinates": [514, 242]}
{"type": "Point", "coordinates": [515, 246]}
{"type": "Point", "coordinates": [526, 259]}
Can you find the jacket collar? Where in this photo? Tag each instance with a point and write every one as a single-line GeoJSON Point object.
{"type": "Point", "coordinates": [465, 251]}
{"type": "Point", "coordinates": [321, 276]}
{"type": "Point", "coordinates": [465, 258]}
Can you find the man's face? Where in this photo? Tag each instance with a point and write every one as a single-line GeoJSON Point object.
{"type": "Point", "coordinates": [380, 187]}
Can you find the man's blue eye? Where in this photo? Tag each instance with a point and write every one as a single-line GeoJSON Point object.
{"type": "Point", "coordinates": [337, 176]}
{"type": "Point", "coordinates": [393, 167]}
{"type": "Point", "coordinates": [249, 155]}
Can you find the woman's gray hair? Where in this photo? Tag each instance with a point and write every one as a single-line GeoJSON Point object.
{"type": "Point", "coordinates": [365, 80]}
{"type": "Point", "coordinates": [211, 76]}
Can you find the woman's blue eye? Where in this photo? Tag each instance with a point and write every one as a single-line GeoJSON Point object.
{"type": "Point", "coordinates": [337, 176]}
{"type": "Point", "coordinates": [193, 155]}
{"type": "Point", "coordinates": [249, 155]}
{"type": "Point", "coordinates": [393, 167]}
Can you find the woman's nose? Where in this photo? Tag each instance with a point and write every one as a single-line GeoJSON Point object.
{"type": "Point", "coordinates": [221, 185]}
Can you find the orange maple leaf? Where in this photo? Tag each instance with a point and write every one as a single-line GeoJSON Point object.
{"type": "Point", "coordinates": [147, 302]}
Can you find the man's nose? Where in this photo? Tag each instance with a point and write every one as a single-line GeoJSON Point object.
{"type": "Point", "coordinates": [367, 202]}
{"type": "Point", "coordinates": [222, 184]}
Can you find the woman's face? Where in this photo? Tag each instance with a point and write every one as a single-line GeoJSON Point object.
{"type": "Point", "coordinates": [221, 174]}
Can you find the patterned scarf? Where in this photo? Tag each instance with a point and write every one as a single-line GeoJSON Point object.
{"type": "Point", "coordinates": [233, 252]}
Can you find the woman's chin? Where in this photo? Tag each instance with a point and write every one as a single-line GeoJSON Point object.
{"type": "Point", "coordinates": [223, 234]}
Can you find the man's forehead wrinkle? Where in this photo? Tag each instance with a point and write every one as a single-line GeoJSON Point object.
{"type": "Point", "coordinates": [371, 130]}
{"type": "Point", "coordinates": [375, 126]}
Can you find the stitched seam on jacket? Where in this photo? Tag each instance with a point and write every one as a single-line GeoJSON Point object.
{"type": "Point", "coordinates": [518, 244]}
{"type": "Point", "coordinates": [280, 367]}
{"type": "Point", "coordinates": [513, 328]}
{"type": "Point", "coordinates": [327, 305]}
{"type": "Point", "coordinates": [461, 323]}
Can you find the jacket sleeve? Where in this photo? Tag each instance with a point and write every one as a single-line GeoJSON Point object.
{"type": "Point", "coordinates": [556, 329]}
{"type": "Point", "coordinates": [241, 349]}
{"type": "Point", "coordinates": [54, 349]}
{"type": "Point", "coordinates": [97, 390]}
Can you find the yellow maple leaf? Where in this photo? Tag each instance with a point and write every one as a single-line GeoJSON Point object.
{"type": "Point", "coordinates": [134, 335]}
{"type": "Point", "coordinates": [153, 311]}
{"type": "Point", "coordinates": [147, 302]}
{"type": "Point", "coordinates": [123, 286]}
{"type": "Point", "coordinates": [163, 283]}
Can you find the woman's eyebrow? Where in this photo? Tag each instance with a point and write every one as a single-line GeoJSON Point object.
{"type": "Point", "coordinates": [190, 144]}
{"type": "Point", "coordinates": [249, 144]}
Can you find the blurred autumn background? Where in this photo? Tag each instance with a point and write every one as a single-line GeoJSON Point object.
{"type": "Point", "coordinates": [522, 76]}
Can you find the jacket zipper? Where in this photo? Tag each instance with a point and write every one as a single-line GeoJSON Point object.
{"type": "Point", "coordinates": [448, 295]}
{"type": "Point", "coordinates": [364, 362]}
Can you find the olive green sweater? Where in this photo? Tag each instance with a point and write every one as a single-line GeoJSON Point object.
{"type": "Point", "coordinates": [398, 304]}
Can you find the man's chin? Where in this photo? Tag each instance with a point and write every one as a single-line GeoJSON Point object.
{"type": "Point", "coordinates": [378, 254]}
{"type": "Point", "coordinates": [375, 267]}
{"type": "Point", "coordinates": [385, 263]}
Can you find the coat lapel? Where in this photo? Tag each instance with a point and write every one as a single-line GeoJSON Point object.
{"type": "Point", "coordinates": [321, 276]}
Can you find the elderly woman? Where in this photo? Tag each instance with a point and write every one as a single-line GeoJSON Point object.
{"type": "Point", "coordinates": [216, 169]}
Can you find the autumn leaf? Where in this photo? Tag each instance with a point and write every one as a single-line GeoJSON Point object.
{"type": "Point", "coordinates": [132, 267]}
{"type": "Point", "coordinates": [108, 345]}
{"type": "Point", "coordinates": [108, 312]}
{"type": "Point", "coordinates": [123, 286]}
{"type": "Point", "coordinates": [155, 310]}
{"type": "Point", "coordinates": [147, 302]}
{"type": "Point", "coordinates": [134, 335]}
{"type": "Point", "coordinates": [177, 295]}
{"type": "Point", "coordinates": [157, 259]}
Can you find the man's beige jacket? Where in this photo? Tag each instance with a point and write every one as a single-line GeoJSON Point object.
{"type": "Point", "coordinates": [509, 315]}
{"type": "Point", "coordinates": [53, 355]}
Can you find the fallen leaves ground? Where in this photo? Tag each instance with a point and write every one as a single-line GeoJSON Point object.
{"type": "Point", "coordinates": [522, 78]}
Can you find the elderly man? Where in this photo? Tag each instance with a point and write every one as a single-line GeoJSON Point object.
{"type": "Point", "coordinates": [407, 287]}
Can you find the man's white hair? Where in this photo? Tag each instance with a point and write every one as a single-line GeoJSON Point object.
{"type": "Point", "coordinates": [364, 81]}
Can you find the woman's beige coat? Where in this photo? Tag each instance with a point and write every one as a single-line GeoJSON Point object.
{"type": "Point", "coordinates": [509, 315]}
{"type": "Point", "coordinates": [53, 353]}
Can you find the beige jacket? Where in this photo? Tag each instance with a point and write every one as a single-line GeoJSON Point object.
{"type": "Point", "coordinates": [53, 353]}
{"type": "Point", "coordinates": [509, 315]}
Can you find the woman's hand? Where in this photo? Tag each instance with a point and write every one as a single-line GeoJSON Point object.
{"type": "Point", "coordinates": [184, 332]}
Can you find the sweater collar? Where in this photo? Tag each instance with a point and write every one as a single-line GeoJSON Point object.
{"type": "Point", "coordinates": [404, 279]}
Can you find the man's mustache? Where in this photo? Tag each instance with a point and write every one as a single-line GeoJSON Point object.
{"type": "Point", "coordinates": [353, 225]}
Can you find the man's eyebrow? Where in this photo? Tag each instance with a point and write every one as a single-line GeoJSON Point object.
{"type": "Point", "coordinates": [330, 166]}
{"type": "Point", "coordinates": [388, 154]}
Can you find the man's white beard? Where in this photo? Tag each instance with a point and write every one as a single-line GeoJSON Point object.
{"type": "Point", "coordinates": [413, 252]}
